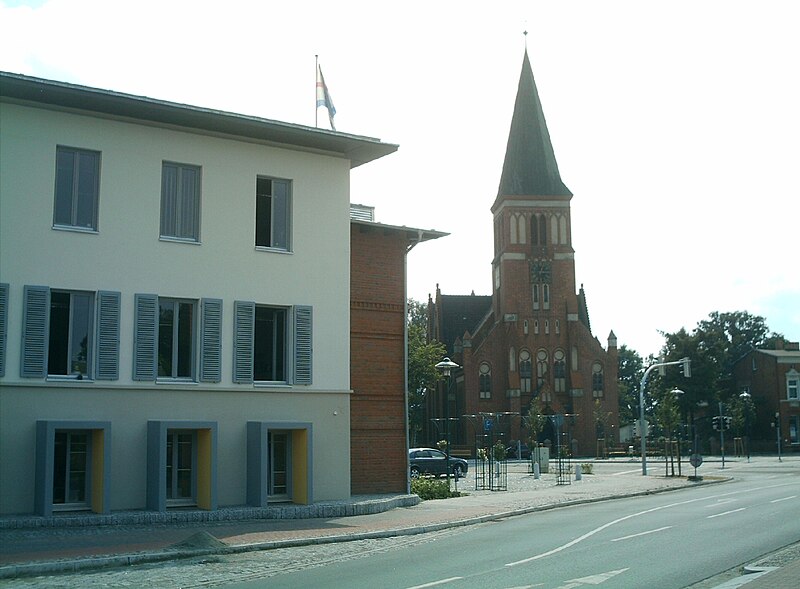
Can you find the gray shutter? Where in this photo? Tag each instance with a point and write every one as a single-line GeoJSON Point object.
{"type": "Point", "coordinates": [303, 344]}
{"type": "Point", "coordinates": [108, 314]}
{"type": "Point", "coordinates": [35, 315]}
{"type": "Point", "coordinates": [211, 340]}
{"type": "Point", "coordinates": [3, 326]}
{"type": "Point", "coordinates": [244, 325]}
{"type": "Point", "coordinates": [145, 336]}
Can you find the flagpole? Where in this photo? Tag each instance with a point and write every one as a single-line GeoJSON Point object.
{"type": "Point", "coordinates": [316, 77]}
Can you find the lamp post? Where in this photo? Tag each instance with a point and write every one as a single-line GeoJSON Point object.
{"type": "Point", "coordinates": [686, 365]}
{"type": "Point", "coordinates": [675, 392]}
{"type": "Point", "coordinates": [777, 426]}
{"type": "Point", "coordinates": [445, 367]}
{"type": "Point", "coordinates": [746, 397]}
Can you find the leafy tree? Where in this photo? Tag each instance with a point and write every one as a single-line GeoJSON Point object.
{"type": "Point", "coordinates": [534, 421]}
{"type": "Point", "coordinates": [422, 358]}
{"type": "Point", "coordinates": [630, 375]}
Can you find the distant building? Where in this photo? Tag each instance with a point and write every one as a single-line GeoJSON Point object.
{"type": "Point", "coordinates": [174, 304]}
{"type": "Point", "coordinates": [378, 405]}
{"type": "Point", "coordinates": [531, 339]}
{"type": "Point", "coordinates": [772, 379]}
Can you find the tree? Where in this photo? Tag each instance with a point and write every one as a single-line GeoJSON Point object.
{"type": "Point", "coordinates": [629, 376]}
{"type": "Point", "coordinates": [422, 358]}
{"type": "Point", "coordinates": [534, 421]}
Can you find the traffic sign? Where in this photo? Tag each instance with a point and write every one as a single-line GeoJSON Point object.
{"type": "Point", "coordinates": [696, 460]}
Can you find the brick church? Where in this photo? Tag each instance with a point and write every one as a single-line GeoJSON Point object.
{"type": "Point", "coordinates": [532, 337]}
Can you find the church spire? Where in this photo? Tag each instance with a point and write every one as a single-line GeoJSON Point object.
{"type": "Point", "coordinates": [530, 167]}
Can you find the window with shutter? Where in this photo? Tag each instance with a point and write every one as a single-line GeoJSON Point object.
{"type": "Point", "coordinates": [36, 306]}
{"type": "Point", "coordinates": [303, 345]}
{"type": "Point", "coordinates": [243, 335]}
{"type": "Point", "coordinates": [211, 340]}
{"type": "Point", "coordinates": [144, 336]}
{"type": "Point", "coordinates": [108, 314]}
{"type": "Point", "coordinates": [3, 326]}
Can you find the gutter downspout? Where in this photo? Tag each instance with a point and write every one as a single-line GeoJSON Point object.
{"type": "Point", "coordinates": [405, 352]}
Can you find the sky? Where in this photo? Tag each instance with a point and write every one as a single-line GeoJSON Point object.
{"type": "Point", "coordinates": [675, 125]}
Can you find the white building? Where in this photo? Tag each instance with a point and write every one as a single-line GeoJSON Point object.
{"type": "Point", "coordinates": [174, 304]}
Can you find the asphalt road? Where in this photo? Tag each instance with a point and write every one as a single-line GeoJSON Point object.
{"type": "Point", "coordinates": [662, 541]}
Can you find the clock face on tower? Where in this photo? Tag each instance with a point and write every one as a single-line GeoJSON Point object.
{"type": "Point", "coordinates": [541, 272]}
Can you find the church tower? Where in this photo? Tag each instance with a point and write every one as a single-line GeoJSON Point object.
{"type": "Point", "coordinates": [531, 340]}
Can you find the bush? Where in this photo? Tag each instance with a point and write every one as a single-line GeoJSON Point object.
{"type": "Point", "coordinates": [432, 489]}
{"type": "Point", "coordinates": [586, 467]}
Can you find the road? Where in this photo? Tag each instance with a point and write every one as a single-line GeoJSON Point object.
{"type": "Point", "coordinates": [662, 541]}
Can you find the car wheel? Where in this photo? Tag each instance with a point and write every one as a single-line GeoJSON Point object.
{"type": "Point", "coordinates": [414, 472]}
{"type": "Point", "coordinates": [458, 471]}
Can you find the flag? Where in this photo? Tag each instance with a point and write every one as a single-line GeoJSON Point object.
{"type": "Point", "coordinates": [324, 97]}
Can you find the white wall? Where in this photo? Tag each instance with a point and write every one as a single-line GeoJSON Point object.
{"type": "Point", "coordinates": [126, 255]}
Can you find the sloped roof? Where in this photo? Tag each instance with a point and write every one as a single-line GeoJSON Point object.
{"type": "Point", "coordinates": [530, 167]}
{"type": "Point", "coordinates": [461, 313]}
{"type": "Point", "coordinates": [74, 98]}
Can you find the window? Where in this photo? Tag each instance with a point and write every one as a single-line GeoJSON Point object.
{"type": "Point", "coordinates": [278, 465]}
{"type": "Point", "coordinates": [176, 338]}
{"type": "Point", "coordinates": [792, 385]}
{"type": "Point", "coordinates": [77, 188]}
{"type": "Point", "coordinates": [60, 328]}
{"type": "Point", "coordinates": [597, 380]}
{"type": "Point", "coordinates": [181, 464]}
{"type": "Point", "coordinates": [485, 381]}
{"type": "Point", "coordinates": [269, 345]}
{"type": "Point", "coordinates": [71, 461]}
{"type": "Point", "coordinates": [181, 467]}
{"type": "Point", "coordinates": [541, 368]}
{"type": "Point", "coordinates": [165, 339]}
{"type": "Point", "coordinates": [272, 213]}
{"type": "Point", "coordinates": [525, 371]}
{"type": "Point", "coordinates": [794, 429]}
{"type": "Point", "coordinates": [272, 344]}
{"type": "Point", "coordinates": [180, 201]}
{"type": "Point", "coordinates": [559, 371]}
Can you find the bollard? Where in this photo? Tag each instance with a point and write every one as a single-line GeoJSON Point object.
{"type": "Point", "coordinates": [536, 470]}
{"type": "Point", "coordinates": [577, 472]}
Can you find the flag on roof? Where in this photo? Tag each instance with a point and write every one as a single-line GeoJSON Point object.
{"type": "Point", "coordinates": [324, 97]}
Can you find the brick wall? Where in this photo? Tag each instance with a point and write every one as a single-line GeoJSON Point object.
{"type": "Point", "coordinates": [379, 460]}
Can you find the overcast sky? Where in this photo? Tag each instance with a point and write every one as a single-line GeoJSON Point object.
{"type": "Point", "coordinates": [675, 125]}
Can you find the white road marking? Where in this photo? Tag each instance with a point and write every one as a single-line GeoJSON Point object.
{"type": "Point", "coordinates": [783, 499]}
{"type": "Point", "coordinates": [592, 579]}
{"type": "Point", "coordinates": [434, 583]}
{"type": "Point", "coordinates": [626, 472]}
{"type": "Point", "coordinates": [722, 501]}
{"type": "Point", "coordinates": [632, 515]}
{"type": "Point", "coordinates": [641, 534]}
{"type": "Point", "coordinates": [725, 513]}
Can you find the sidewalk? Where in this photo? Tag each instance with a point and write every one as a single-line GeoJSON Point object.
{"type": "Point", "coordinates": [29, 550]}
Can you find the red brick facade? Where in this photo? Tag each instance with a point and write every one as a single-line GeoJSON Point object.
{"type": "Point", "coordinates": [378, 430]}
{"type": "Point", "coordinates": [532, 339]}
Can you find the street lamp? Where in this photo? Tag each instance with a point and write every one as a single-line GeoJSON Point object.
{"type": "Point", "coordinates": [445, 367]}
{"type": "Point", "coordinates": [675, 392]}
{"type": "Point", "coordinates": [745, 396]}
{"type": "Point", "coordinates": [777, 426]}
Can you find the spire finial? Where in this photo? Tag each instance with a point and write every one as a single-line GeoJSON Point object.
{"type": "Point", "coordinates": [525, 35]}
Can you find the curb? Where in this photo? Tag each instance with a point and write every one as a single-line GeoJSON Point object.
{"type": "Point", "coordinates": [38, 568]}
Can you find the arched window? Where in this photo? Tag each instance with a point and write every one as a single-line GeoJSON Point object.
{"type": "Point", "coordinates": [512, 359]}
{"type": "Point", "coordinates": [558, 326]}
{"type": "Point", "coordinates": [513, 227]}
{"type": "Point", "coordinates": [559, 372]}
{"type": "Point", "coordinates": [547, 326]}
{"type": "Point", "coordinates": [546, 295]}
{"type": "Point", "coordinates": [521, 221]}
{"type": "Point", "coordinates": [597, 380]}
{"type": "Point", "coordinates": [574, 358]}
{"type": "Point", "coordinates": [535, 296]}
{"type": "Point", "coordinates": [534, 229]}
{"type": "Point", "coordinates": [485, 381]}
{"type": "Point", "coordinates": [536, 327]}
{"type": "Point", "coordinates": [541, 367]}
{"type": "Point", "coordinates": [525, 371]}
{"type": "Point", "coordinates": [562, 225]}
{"type": "Point", "coordinates": [554, 229]}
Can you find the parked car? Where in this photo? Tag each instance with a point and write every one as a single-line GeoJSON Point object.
{"type": "Point", "coordinates": [431, 461]}
{"type": "Point", "coordinates": [511, 451]}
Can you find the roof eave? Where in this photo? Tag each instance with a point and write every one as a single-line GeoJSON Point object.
{"type": "Point", "coordinates": [74, 98]}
